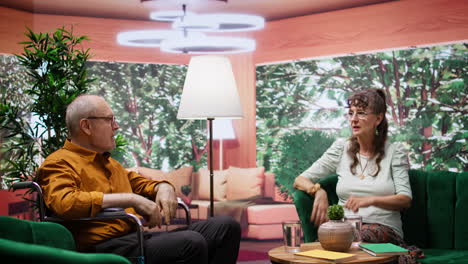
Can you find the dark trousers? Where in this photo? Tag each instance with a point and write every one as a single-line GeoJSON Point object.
{"type": "Point", "coordinates": [213, 241]}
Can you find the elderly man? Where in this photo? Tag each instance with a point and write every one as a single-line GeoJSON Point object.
{"type": "Point", "coordinates": [81, 178]}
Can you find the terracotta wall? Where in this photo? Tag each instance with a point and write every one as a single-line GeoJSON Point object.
{"type": "Point", "coordinates": [387, 25]}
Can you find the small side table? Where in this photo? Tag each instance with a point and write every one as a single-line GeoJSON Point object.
{"type": "Point", "coordinates": [280, 255]}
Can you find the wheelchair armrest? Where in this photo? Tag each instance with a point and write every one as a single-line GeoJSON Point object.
{"type": "Point", "coordinates": [188, 217]}
{"type": "Point", "coordinates": [22, 185]}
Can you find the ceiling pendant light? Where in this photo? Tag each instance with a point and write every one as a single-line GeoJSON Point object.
{"type": "Point", "coordinates": [169, 16]}
{"type": "Point", "coordinates": [195, 23]}
{"type": "Point", "coordinates": [221, 23]}
{"type": "Point", "coordinates": [152, 38]}
{"type": "Point", "coordinates": [208, 45]}
{"type": "Point", "coordinates": [186, 37]}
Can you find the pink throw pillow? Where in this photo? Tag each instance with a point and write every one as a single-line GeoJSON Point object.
{"type": "Point", "coordinates": [219, 185]}
{"type": "Point", "coordinates": [243, 183]}
{"type": "Point", "coordinates": [178, 178]}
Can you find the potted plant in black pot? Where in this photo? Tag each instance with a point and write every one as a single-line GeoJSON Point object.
{"type": "Point", "coordinates": [336, 234]}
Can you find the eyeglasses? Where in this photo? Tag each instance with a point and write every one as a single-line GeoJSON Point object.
{"type": "Point", "coordinates": [361, 115]}
{"type": "Point", "coordinates": [108, 118]}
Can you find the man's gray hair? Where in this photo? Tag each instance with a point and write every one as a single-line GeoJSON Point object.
{"type": "Point", "coordinates": [83, 106]}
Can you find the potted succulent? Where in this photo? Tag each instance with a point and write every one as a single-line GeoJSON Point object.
{"type": "Point", "coordinates": [336, 234]}
{"type": "Point", "coordinates": [186, 189]}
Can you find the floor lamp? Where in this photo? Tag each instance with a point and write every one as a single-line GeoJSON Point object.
{"type": "Point", "coordinates": [222, 129]}
{"type": "Point", "coordinates": [210, 92]}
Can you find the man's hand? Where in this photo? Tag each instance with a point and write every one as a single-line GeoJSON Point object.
{"type": "Point", "coordinates": [319, 210]}
{"type": "Point", "coordinates": [148, 209]}
{"type": "Point", "coordinates": [166, 200]}
{"type": "Point", "coordinates": [356, 202]}
{"type": "Point", "coordinates": [144, 207]}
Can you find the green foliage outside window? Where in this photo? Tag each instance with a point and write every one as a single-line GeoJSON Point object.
{"type": "Point", "coordinates": [145, 99]}
{"type": "Point", "coordinates": [296, 152]}
{"type": "Point", "coordinates": [426, 90]}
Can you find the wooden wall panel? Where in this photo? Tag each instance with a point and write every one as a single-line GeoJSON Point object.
{"type": "Point", "coordinates": [13, 25]}
{"type": "Point", "coordinates": [388, 25]}
{"type": "Point", "coordinates": [243, 153]}
{"type": "Point", "coordinates": [102, 32]}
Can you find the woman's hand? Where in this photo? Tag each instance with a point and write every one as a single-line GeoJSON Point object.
{"type": "Point", "coordinates": [395, 202]}
{"type": "Point", "coordinates": [319, 210]}
{"type": "Point", "coordinates": [356, 202]}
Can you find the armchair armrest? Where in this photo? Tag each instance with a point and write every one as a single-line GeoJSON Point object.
{"type": "Point", "coordinates": [23, 253]}
{"type": "Point", "coordinates": [304, 204]}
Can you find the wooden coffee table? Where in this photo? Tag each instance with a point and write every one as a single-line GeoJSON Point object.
{"type": "Point", "coordinates": [280, 255]}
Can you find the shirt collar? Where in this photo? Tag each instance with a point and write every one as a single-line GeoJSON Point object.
{"type": "Point", "coordinates": [84, 152]}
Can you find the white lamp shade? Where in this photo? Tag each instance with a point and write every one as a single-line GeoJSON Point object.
{"type": "Point", "coordinates": [210, 90]}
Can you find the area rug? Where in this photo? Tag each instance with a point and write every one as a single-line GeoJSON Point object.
{"type": "Point", "coordinates": [249, 255]}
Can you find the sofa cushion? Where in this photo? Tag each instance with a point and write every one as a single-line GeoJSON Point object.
{"type": "Point", "coordinates": [415, 218]}
{"type": "Point", "coordinates": [446, 256]}
{"type": "Point", "coordinates": [203, 184]}
{"type": "Point", "coordinates": [243, 183]}
{"type": "Point", "coordinates": [266, 214]}
{"type": "Point", "coordinates": [441, 208]}
{"type": "Point", "coordinates": [273, 231]}
{"type": "Point", "coordinates": [461, 212]}
{"type": "Point", "coordinates": [178, 178]}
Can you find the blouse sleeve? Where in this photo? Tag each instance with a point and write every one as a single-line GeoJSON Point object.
{"type": "Point", "coordinates": [400, 167]}
{"type": "Point", "coordinates": [326, 164]}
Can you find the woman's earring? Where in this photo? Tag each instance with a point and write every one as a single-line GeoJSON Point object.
{"type": "Point", "coordinates": [376, 132]}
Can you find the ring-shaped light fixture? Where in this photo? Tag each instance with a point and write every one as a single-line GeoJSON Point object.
{"type": "Point", "coordinates": [223, 22]}
{"type": "Point", "coordinates": [237, 22]}
{"type": "Point", "coordinates": [169, 16]}
{"type": "Point", "coordinates": [153, 38]}
{"type": "Point", "coordinates": [195, 23]}
{"type": "Point", "coordinates": [208, 45]}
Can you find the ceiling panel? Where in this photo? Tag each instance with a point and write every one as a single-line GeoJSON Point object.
{"type": "Point", "coordinates": [134, 9]}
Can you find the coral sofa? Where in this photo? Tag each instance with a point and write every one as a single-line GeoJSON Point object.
{"type": "Point", "coordinates": [263, 220]}
{"type": "Point", "coordinates": [436, 222]}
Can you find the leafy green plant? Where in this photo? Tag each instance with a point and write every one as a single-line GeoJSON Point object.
{"type": "Point", "coordinates": [335, 212]}
{"type": "Point", "coordinates": [186, 189]}
{"type": "Point", "coordinates": [55, 64]}
{"type": "Point", "coordinates": [297, 151]}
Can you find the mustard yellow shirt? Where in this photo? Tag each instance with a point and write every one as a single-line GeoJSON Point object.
{"type": "Point", "coordinates": [74, 181]}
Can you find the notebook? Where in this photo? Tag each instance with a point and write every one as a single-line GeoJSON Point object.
{"type": "Point", "coordinates": [337, 257]}
{"type": "Point", "coordinates": [383, 249]}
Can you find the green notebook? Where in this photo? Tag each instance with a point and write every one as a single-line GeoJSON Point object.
{"type": "Point", "coordinates": [383, 249]}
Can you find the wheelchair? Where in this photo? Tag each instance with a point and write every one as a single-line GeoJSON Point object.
{"type": "Point", "coordinates": [107, 213]}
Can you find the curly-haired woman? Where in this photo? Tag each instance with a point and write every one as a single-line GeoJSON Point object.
{"type": "Point", "coordinates": [373, 179]}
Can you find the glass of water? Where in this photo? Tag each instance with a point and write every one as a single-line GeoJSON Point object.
{"type": "Point", "coordinates": [292, 235]}
{"type": "Point", "coordinates": [356, 222]}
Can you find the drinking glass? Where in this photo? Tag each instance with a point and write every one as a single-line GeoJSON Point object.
{"type": "Point", "coordinates": [356, 222]}
{"type": "Point", "coordinates": [292, 235]}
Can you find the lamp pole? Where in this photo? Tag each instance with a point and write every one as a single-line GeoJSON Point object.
{"type": "Point", "coordinates": [210, 127]}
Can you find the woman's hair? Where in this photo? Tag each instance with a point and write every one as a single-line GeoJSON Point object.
{"type": "Point", "coordinates": [374, 101]}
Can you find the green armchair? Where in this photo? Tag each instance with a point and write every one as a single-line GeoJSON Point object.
{"type": "Point", "coordinates": [437, 221]}
{"type": "Point", "coordinates": [23, 241]}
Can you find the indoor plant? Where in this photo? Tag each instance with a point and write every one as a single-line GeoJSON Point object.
{"type": "Point", "coordinates": [186, 189]}
{"type": "Point", "coordinates": [336, 234]}
{"type": "Point", "coordinates": [55, 63]}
